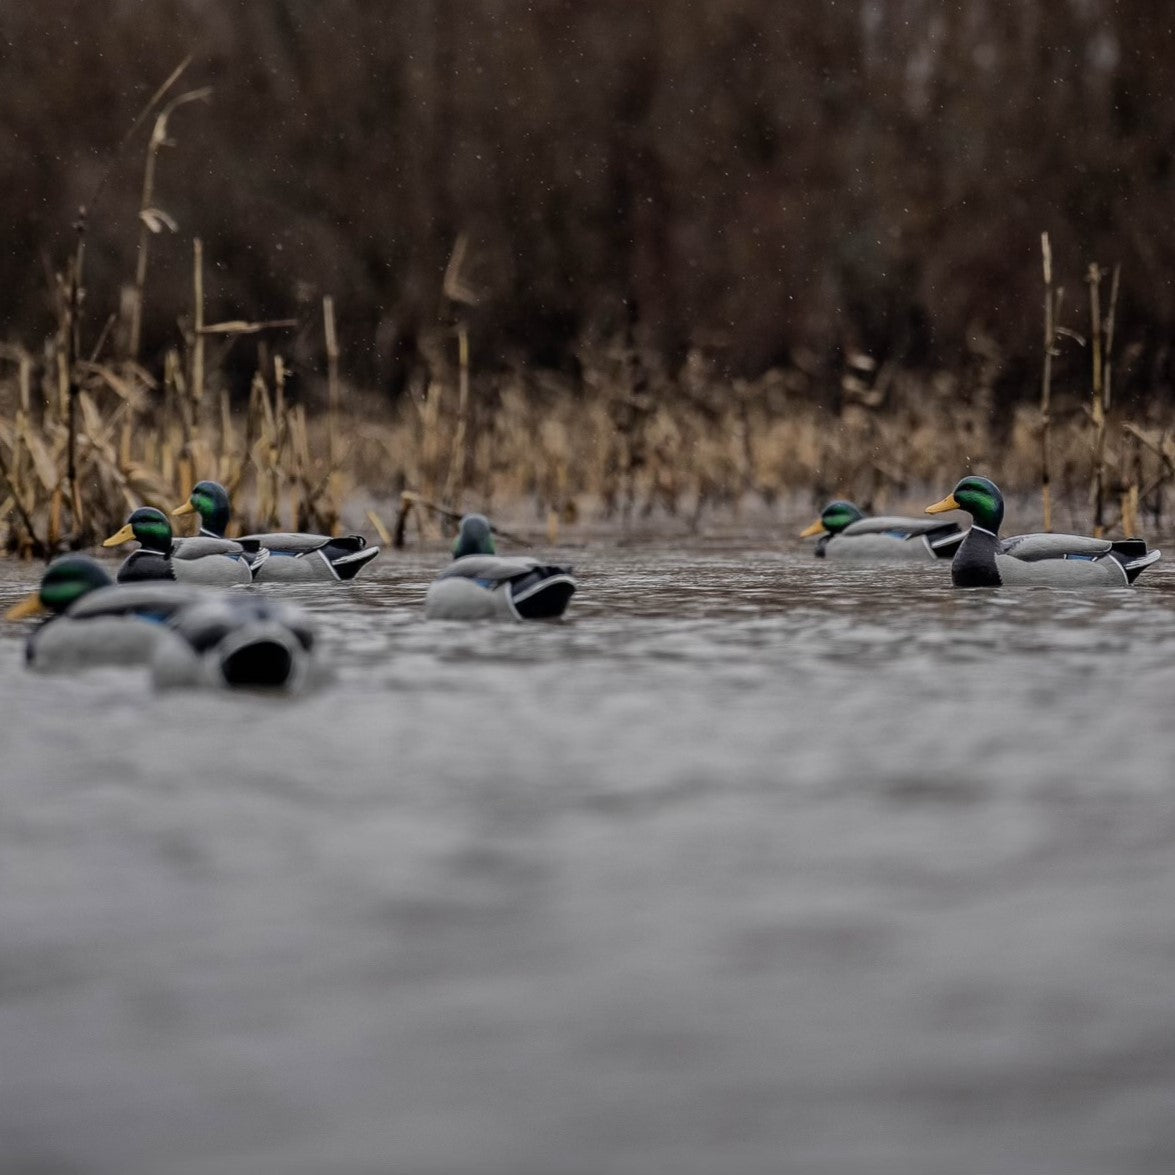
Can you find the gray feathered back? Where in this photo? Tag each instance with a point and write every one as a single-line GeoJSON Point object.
{"type": "Point", "coordinates": [885, 523]}
{"type": "Point", "coordinates": [1031, 547]}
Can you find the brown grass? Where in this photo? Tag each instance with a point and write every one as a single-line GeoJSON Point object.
{"type": "Point", "coordinates": [634, 442]}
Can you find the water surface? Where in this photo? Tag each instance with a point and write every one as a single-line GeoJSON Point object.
{"type": "Point", "coordinates": [758, 864]}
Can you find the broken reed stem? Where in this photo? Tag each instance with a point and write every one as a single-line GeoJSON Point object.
{"type": "Point", "coordinates": [152, 219]}
{"type": "Point", "coordinates": [140, 118]}
{"type": "Point", "coordinates": [332, 380]}
{"type": "Point", "coordinates": [407, 501]}
{"type": "Point", "coordinates": [103, 334]}
{"type": "Point", "coordinates": [239, 327]}
{"type": "Point", "coordinates": [1098, 415]}
{"type": "Point", "coordinates": [378, 525]}
{"type": "Point", "coordinates": [1159, 448]}
{"type": "Point", "coordinates": [1051, 305]}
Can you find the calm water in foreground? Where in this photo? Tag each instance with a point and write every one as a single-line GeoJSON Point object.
{"type": "Point", "coordinates": [756, 865]}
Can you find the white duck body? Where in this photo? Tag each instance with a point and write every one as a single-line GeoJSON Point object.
{"type": "Point", "coordinates": [496, 587]}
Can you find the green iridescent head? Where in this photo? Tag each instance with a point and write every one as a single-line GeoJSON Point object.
{"type": "Point", "coordinates": [980, 498]}
{"type": "Point", "coordinates": [66, 580]}
{"type": "Point", "coordinates": [149, 526]}
{"type": "Point", "coordinates": [209, 499]}
{"type": "Point", "coordinates": [833, 519]}
{"type": "Point", "coordinates": [476, 537]}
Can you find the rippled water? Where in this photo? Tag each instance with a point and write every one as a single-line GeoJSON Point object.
{"type": "Point", "coordinates": [756, 865]}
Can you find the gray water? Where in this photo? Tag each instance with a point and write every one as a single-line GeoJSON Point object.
{"type": "Point", "coordinates": [756, 865]}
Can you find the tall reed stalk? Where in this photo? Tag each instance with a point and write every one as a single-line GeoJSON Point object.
{"type": "Point", "coordinates": [1052, 305]}
{"type": "Point", "coordinates": [331, 339]}
{"type": "Point", "coordinates": [71, 330]}
{"type": "Point", "coordinates": [460, 297]}
{"type": "Point", "coordinates": [455, 480]}
{"type": "Point", "coordinates": [152, 219]}
{"type": "Point", "coordinates": [1101, 356]}
{"type": "Point", "coordinates": [1099, 406]}
{"type": "Point", "coordinates": [196, 378]}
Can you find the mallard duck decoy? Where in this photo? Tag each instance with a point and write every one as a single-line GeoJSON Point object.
{"type": "Point", "coordinates": [298, 558]}
{"type": "Point", "coordinates": [92, 621]}
{"type": "Point", "coordinates": [481, 585]}
{"type": "Point", "coordinates": [845, 532]}
{"type": "Point", "coordinates": [1051, 560]}
{"type": "Point", "coordinates": [196, 560]}
{"type": "Point", "coordinates": [188, 635]}
{"type": "Point", "coordinates": [238, 640]}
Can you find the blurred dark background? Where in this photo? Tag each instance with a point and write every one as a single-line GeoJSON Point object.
{"type": "Point", "coordinates": [781, 183]}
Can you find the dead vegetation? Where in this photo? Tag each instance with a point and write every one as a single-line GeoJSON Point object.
{"type": "Point", "coordinates": [88, 432]}
{"type": "Point", "coordinates": [631, 441]}
{"type": "Point", "coordinates": [88, 435]}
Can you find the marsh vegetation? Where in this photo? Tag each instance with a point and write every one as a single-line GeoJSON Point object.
{"type": "Point", "coordinates": [613, 258]}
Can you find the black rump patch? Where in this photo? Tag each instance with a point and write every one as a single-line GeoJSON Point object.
{"type": "Point", "coordinates": [264, 664]}
{"type": "Point", "coordinates": [542, 593]}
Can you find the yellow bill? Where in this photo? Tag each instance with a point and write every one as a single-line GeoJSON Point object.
{"type": "Point", "coordinates": [29, 606]}
{"type": "Point", "coordinates": [948, 503]}
{"type": "Point", "coordinates": [186, 508]}
{"type": "Point", "coordinates": [123, 536]}
{"type": "Point", "coordinates": [816, 528]}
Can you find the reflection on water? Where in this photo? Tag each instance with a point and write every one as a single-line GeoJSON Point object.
{"type": "Point", "coordinates": [756, 865]}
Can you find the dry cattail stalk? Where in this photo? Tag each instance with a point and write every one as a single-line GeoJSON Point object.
{"type": "Point", "coordinates": [198, 338]}
{"type": "Point", "coordinates": [1052, 300]}
{"type": "Point", "coordinates": [455, 479]}
{"type": "Point", "coordinates": [153, 220]}
{"type": "Point", "coordinates": [1098, 407]}
{"type": "Point", "coordinates": [332, 378]}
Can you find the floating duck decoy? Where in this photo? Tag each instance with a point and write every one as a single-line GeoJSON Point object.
{"type": "Point", "coordinates": [92, 621]}
{"type": "Point", "coordinates": [1050, 560]}
{"type": "Point", "coordinates": [481, 585]}
{"type": "Point", "coordinates": [297, 558]}
{"type": "Point", "coordinates": [241, 641]}
{"type": "Point", "coordinates": [220, 562]}
{"type": "Point", "coordinates": [846, 533]}
{"type": "Point", "coordinates": [188, 635]}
